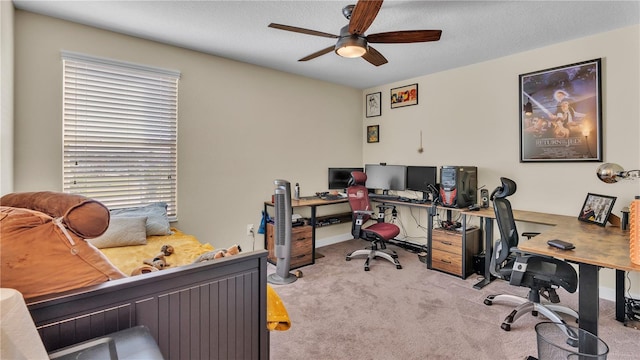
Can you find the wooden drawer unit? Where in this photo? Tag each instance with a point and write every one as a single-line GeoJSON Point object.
{"type": "Point", "coordinates": [301, 246]}
{"type": "Point", "coordinates": [448, 254]}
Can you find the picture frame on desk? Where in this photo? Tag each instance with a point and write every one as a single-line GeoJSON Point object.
{"type": "Point", "coordinates": [561, 114]}
{"type": "Point", "coordinates": [596, 209]}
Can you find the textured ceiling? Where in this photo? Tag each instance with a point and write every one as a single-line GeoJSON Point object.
{"type": "Point", "coordinates": [472, 31]}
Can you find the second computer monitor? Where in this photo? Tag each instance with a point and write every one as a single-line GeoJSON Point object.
{"type": "Point", "coordinates": [386, 177]}
{"type": "Point", "coordinates": [339, 177]}
{"type": "Point", "coordinates": [422, 178]}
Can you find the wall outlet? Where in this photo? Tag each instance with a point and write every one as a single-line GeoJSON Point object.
{"type": "Point", "coordinates": [250, 229]}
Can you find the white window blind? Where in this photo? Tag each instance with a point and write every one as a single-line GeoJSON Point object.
{"type": "Point", "coordinates": [120, 132]}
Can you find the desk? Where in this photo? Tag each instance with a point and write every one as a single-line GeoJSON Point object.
{"type": "Point", "coordinates": [313, 203]}
{"type": "Point", "coordinates": [595, 247]}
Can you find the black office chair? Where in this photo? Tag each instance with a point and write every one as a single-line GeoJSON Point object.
{"type": "Point", "coordinates": [542, 275]}
{"type": "Point", "coordinates": [378, 233]}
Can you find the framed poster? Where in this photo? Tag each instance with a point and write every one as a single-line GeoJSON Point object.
{"type": "Point", "coordinates": [404, 96]}
{"type": "Point", "coordinates": [373, 133]}
{"type": "Point", "coordinates": [596, 209]}
{"type": "Point", "coordinates": [373, 104]}
{"type": "Point", "coordinates": [561, 114]}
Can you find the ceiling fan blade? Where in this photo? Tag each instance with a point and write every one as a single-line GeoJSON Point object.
{"type": "Point", "coordinates": [318, 53]}
{"type": "Point", "coordinates": [302, 30]}
{"type": "Point", "coordinates": [408, 36]}
{"type": "Point", "coordinates": [363, 15]}
{"type": "Point", "coordinates": [374, 57]}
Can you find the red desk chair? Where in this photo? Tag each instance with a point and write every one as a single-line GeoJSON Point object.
{"type": "Point", "coordinates": [378, 233]}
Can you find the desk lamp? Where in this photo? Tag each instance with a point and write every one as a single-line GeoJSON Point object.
{"type": "Point", "coordinates": [612, 173]}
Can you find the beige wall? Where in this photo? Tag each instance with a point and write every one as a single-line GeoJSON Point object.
{"type": "Point", "coordinates": [240, 126]}
{"type": "Point", "coordinates": [6, 96]}
{"type": "Point", "coordinates": [470, 116]}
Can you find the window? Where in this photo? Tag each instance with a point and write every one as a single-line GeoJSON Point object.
{"type": "Point", "coordinates": [120, 132]}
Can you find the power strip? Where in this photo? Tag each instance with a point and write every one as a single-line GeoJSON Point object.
{"type": "Point", "coordinates": [414, 248]}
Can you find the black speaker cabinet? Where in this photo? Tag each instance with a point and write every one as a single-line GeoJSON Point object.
{"type": "Point", "coordinates": [458, 186]}
{"type": "Point", "coordinates": [484, 198]}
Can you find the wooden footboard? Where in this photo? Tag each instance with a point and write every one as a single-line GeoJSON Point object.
{"type": "Point", "coordinates": [211, 310]}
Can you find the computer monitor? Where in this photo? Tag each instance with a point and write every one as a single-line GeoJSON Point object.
{"type": "Point", "coordinates": [423, 178]}
{"type": "Point", "coordinates": [386, 177]}
{"type": "Point", "coordinates": [339, 177]}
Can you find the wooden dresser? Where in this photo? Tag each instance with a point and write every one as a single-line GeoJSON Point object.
{"type": "Point", "coordinates": [301, 246]}
{"type": "Point", "coordinates": [448, 253]}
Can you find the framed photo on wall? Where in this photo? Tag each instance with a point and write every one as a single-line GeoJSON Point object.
{"type": "Point", "coordinates": [561, 114]}
{"type": "Point", "coordinates": [404, 96]}
{"type": "Point", "coordinates": [373, 104]}
{"type": "Point", "coordinates": [596, 209]}
{"type": "Point", "coordinates": [373, 133]}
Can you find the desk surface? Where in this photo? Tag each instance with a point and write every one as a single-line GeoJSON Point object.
{"type": "Point", "coordinates": [596, 245]}
{"type": "Point", "coordinates": [311, 202]}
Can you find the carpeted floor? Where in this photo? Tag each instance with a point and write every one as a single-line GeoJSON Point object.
{"type": "Point", "coordinates": [339, 311]}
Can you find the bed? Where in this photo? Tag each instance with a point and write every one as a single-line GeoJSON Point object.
{"type": "Point", "coordinates": [208, 310]}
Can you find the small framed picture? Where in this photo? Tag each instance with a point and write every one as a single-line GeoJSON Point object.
{"type": "Point", "coordinates": [373, 133]}
{"type": "Point", "coordinates": [373, 105]}
{"type": "Point", "coordinates": [596, 209]}
{"type": "Point", "coordinates": [404, 96]}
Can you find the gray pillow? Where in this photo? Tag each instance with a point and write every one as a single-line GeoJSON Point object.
{"type": "Point", "coordinates": [156, 214]}
{"type": "Point", "coordinates": [123, 231]}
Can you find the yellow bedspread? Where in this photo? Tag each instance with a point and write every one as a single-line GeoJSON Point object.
{"type": "Point", "coordinates": [187, 248]}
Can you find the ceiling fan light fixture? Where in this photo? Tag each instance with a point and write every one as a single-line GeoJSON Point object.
{"type": "Point", "coordinates": [351, 47]}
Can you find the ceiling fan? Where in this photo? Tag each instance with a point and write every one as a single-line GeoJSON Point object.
{"type": "Point", "coordinates": [353, 43]}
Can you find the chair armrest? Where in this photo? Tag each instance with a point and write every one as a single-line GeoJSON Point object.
{"type": "Point", "coordinates": [359, 221]}
{"type": "Point", "coordinates": [529, 235]}
{"type": "Point", "coordinates": [518, 270]}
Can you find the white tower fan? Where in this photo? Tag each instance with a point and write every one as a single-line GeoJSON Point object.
{"type": "Point", "coordinates": [282, 240]}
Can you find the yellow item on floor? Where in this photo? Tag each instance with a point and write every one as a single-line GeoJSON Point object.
{"type": "Point", "coordinates": [277, 316]}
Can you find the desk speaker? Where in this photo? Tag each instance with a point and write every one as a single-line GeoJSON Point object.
{"type": "Point", "coordinates": [484, 198]}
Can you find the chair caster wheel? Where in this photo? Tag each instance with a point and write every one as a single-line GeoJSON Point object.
{"type": "Point", "coordinates": [488, 302]}
{"type": "Point", "coordinates": [398, 267]}
{"type": "Point", "coordinates": [505, 327]}
{"type": "Point", "coordinates": [366, 268]}
{"type": "Point", "coordinates": [348, 258]}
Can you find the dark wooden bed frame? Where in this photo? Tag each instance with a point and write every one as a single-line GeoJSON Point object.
{"type": "Point", "coordinates": [210, 310]}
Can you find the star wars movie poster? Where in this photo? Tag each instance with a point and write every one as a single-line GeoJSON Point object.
{"type": "Point", "coordinates": [560, 118]}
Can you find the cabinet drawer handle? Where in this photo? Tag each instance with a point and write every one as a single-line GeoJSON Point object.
{"type": "Point", "coordinates": [447, 243]}
{"type": "Point", "coordinates": [300, 239]}
{"type": "Point", "coordinates": [300, 256]}
{"type": "Point", "coordinates": [445, 261]}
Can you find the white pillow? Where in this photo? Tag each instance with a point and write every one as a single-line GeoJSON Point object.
{"type": "Point", "coordinates": [156, 213]}
{"type": "Point", "coordinates": [122, 231]}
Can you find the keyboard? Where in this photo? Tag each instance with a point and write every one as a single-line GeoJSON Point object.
{"type": "Point", "coordinates": [383, 197]}
{"type": "Point", "coordinates": [331, 197]}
